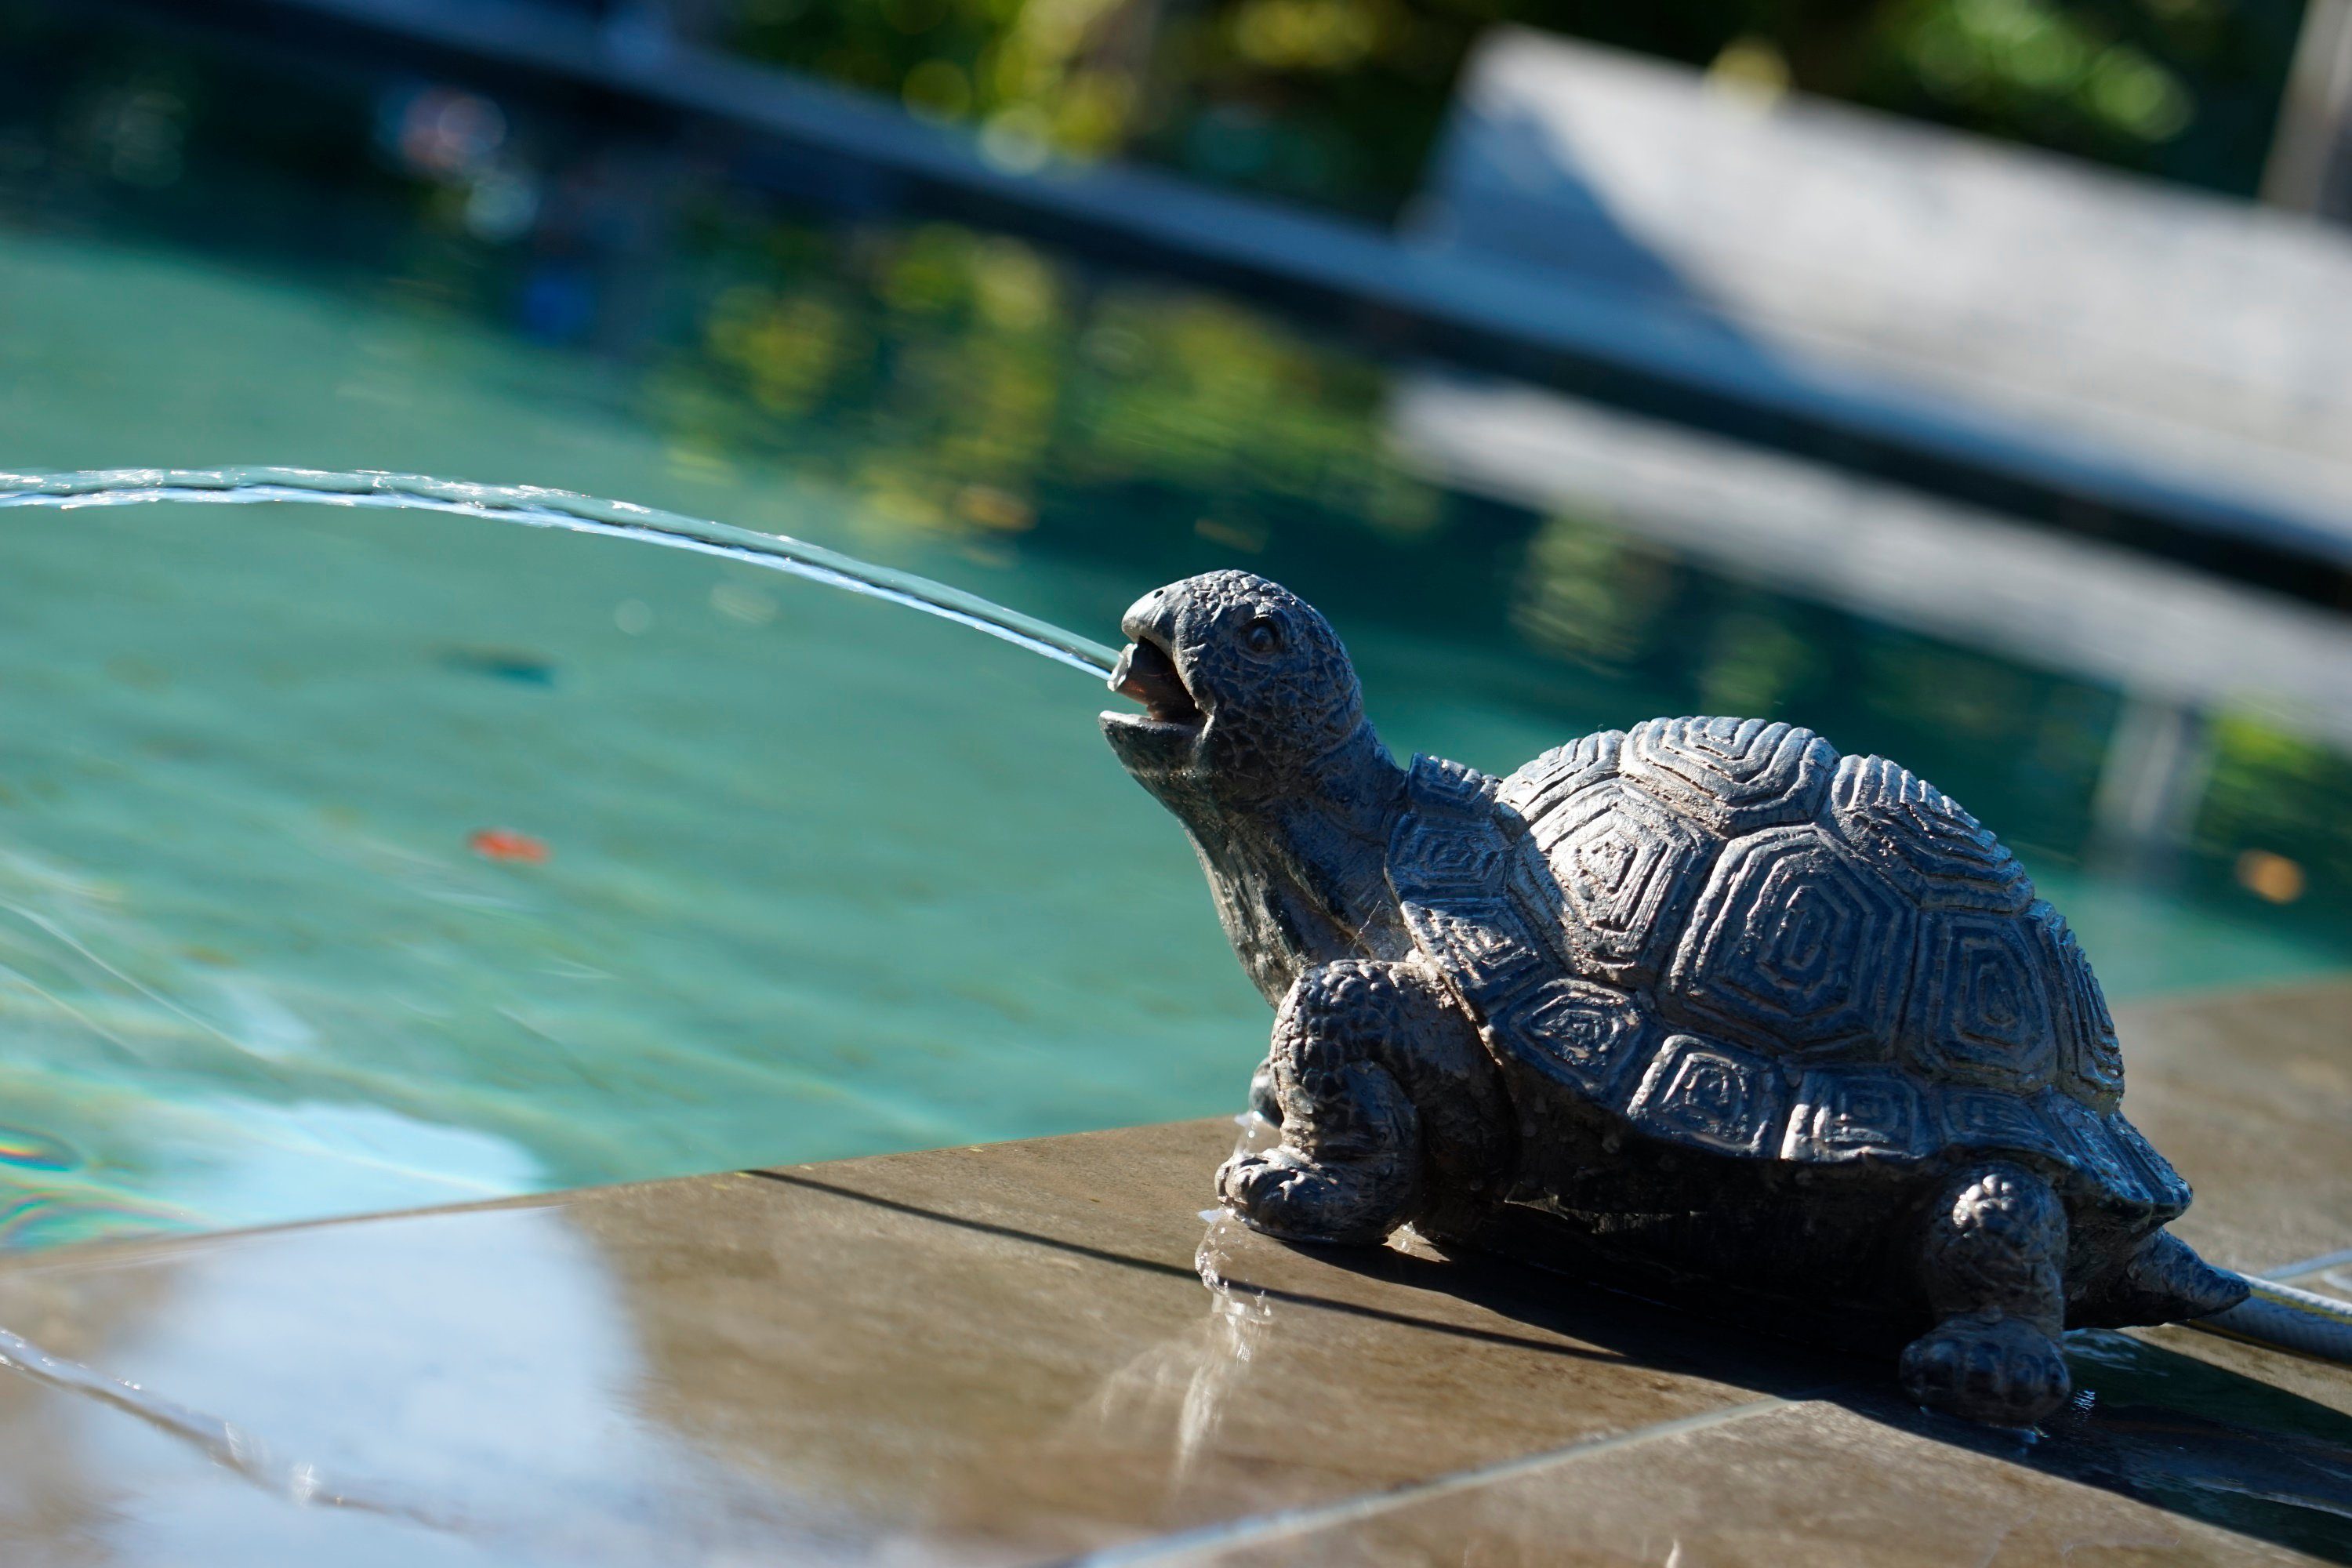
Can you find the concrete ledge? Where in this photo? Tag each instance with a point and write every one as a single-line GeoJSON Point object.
{"type": "Point", "coordinates": [1010, 1354]}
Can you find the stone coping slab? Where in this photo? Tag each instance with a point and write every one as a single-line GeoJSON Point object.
{"type": "Point", "coordinates": [1016, 1354]}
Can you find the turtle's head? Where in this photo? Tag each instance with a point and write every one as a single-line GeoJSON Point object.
{"type": "Point", "coordinates": [1255, 736]}
{"type": "Point", "coordinates": [1246, 688]}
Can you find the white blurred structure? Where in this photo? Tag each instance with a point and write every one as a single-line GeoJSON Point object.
{"type": "Point", "coordinates": [2094, 610]}
{"type": "Point", "coordinates": [2204, 340]}
{"type": "Point", "coordinates": [2204, 343]}
{"type": "Point", "coordinates": [2311, 158]}
{"type": "Point", "coordinates": [2179, 644]}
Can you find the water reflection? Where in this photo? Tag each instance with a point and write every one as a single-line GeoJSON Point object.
{"type": "Point", "coordinates": [401, 1394]}
{"type": "Point", "coordinates": [1178, 1395]}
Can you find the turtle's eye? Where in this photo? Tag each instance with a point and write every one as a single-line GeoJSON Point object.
{"type": "Point", "coordinates": [1262, 636]}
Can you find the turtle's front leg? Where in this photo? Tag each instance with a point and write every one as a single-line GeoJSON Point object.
{"type": "Point", "coordinates": [1387, 1103]}
{"type": "Point", "coordinates": [1993, 1263]}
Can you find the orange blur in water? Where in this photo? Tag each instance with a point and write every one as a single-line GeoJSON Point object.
{"type": "Point", "coordinates": [505, 844]}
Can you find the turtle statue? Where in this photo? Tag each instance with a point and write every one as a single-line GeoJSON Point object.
{"type": "Point", "coordinates": [1701, 1009]}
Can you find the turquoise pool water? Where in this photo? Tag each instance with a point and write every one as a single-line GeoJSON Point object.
{"type": "Point", "coordinates": [820, 878]}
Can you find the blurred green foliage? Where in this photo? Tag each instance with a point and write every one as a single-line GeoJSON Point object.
{"type": "Point", "coordinates": [977, 370]}
{"type": "Point", "coordinates": [1338, 100]}
{"type": "Point", "coordinates": [2274, 796]}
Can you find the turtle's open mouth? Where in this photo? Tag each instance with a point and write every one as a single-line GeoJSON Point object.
{"type": "Point", "coordinates": [1146, 673]}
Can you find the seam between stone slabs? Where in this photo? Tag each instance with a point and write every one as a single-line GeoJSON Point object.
{"type": "Point", "coordinates": [1256, 1529]}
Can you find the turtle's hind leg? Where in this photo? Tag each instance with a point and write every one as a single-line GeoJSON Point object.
{"type": "Point", "coordinates": [1387, 1103]}
{"type": "Point", "coordinates": [1992, 1263]}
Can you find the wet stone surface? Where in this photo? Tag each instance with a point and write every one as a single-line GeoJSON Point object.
{"type": "Point", "coordinates": [1010, 1354]}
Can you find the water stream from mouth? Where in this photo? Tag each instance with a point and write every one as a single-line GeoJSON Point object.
{"type": "Point", "coordinates": [533, 506]}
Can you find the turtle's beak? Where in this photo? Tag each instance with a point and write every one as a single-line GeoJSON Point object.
{"type": "Point", "coordinates": [1147, 673]}
{"type": "Point", "coordinates": [1163, 735]}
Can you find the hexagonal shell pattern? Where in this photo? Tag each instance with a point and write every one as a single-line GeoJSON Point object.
{"type": "Point", "coordinates": [2090, 1057]}
{"type": "Point", "coordinates": [1448, 857]}
{"type": "Point", "coordinates": [1592, 1038]}
{"type": "Point", "coordinates": [1534, 790]}
{"type": "Point", "coordinates": [1993, 1120]}
{"type": "Point", "coordinates": [1711, 1095]}
{"type": "Point", "coordinates": [2117, 1176]}
{"type": "Point", "coordinates": [1796, 947]}
{"type": "Point", "coordinates": [1980, 1006]}
{"type": "Point", "coordinates": [1923, 840]}
{"type": "Point", "coordinates": [1626, 871]}
{"type": "Point", "coordinates": [1462, 870]}
{"type": "Point", "coordinates": [1849, 1114]}
{"type": "Point", "coordinates": [1450, 860]}
{"type": "Point", "coordinates": [1734, 775]}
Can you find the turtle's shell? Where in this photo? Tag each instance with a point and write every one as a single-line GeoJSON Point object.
{"type": "Point", "coordinates": [1742, 942]}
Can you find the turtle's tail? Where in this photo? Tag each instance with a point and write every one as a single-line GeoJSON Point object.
{"type": "Point", "coordinates": [2167, 1282]}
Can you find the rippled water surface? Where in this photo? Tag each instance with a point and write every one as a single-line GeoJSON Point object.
{"type": "Point", "coordinates": [258, 961]}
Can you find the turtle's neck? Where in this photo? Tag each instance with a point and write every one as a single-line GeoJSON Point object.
{"type": "Point", "coordinates": [1300, 875]}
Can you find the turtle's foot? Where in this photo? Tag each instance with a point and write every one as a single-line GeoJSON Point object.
{"type": "Point", "coordinates": [1284, 1193]}
{"type": "Point", "coordinates": [2000, 1370]}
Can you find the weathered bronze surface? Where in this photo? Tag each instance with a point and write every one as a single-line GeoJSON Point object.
{"type": "Point", "coordinates": [1701, 1008]}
